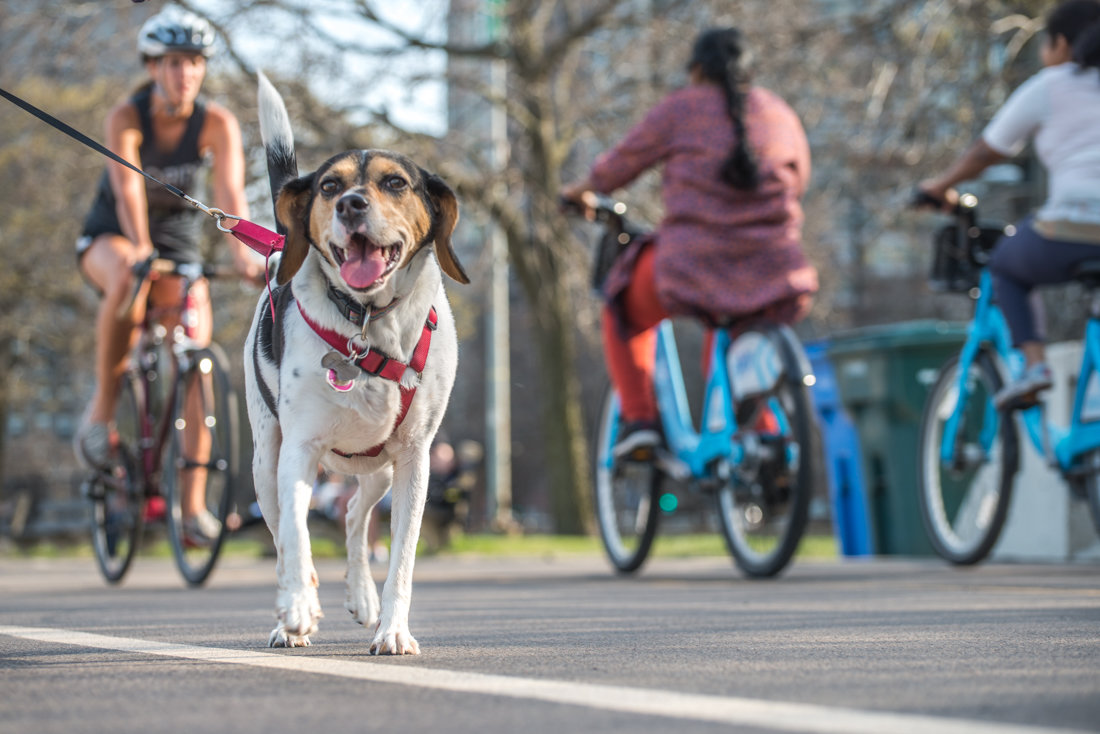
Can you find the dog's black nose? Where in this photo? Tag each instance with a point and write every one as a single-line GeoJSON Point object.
{"type": "Point", "coordinates": [352, 205]}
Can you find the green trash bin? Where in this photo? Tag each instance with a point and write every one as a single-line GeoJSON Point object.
{"type": "Point", "coordinates": [884, 374]}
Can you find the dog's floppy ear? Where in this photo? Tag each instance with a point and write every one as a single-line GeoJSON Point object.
{"type": "Point", "coordinates": [292, 211]}
{"type": "Point", "coordinates": [445, 209]}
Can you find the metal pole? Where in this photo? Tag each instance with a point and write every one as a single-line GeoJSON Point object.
{"type": "Point", "coordinates": [498, 416]}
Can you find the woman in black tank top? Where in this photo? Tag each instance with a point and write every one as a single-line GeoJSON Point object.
{"type": "Point", "coordinates": [174, 225]}
{"type": "Point", "coordinates": [165, 129]}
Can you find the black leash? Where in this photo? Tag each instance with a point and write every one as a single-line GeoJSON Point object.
{"type": "Point", "coordinates": [258, 238]}
{"type": "Point", "coordinates": [80, 137]}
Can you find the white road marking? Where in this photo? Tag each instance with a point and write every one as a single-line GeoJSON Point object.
{"type": "Point", "coordinates": [771, 715]}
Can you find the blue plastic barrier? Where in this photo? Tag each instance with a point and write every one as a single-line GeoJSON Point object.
{"type": "Point", "coordinates": [843, 463]}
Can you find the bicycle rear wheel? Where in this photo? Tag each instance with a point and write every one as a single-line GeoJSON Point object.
{"type": "Point", "coordinates": [199, 463]}
{"type": "Point", "coordinates": [117, 494]}
{"type": "Point", "coordinates": [626, 496]}
{"type": "Point", "coordinates": [764, 507]}
{"type": "Point", "coordinates": [964, 499]}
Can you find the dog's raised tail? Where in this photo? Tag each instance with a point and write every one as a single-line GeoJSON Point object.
{"type": "Point", "coordinates": [278, 137]}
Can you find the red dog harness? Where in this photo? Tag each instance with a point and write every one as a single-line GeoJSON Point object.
{"type": "Point", "coordinates": [378, 364]}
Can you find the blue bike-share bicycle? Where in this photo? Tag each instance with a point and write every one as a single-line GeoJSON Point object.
{"type": "Point", "coordinates": [969, 452]}
{"type": "Point", "coordinates": [752, 450]}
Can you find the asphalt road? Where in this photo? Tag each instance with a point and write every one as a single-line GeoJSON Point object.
{"type": "Point", "coordinates": [548, 646]}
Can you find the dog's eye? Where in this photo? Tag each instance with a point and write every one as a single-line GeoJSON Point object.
{"type": "Point", "coordinates": [395, 183]}
{"type": "Point", "coordinates": [330, 186]}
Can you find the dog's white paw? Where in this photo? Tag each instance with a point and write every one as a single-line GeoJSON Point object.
{"type": "Point", "coordinates": [394, 642]}
{"type": "Point", "coordinates": [280, 638]}
{"type": "Point", "coordinates": [298, 612]}
{"type": "Point", "coordinates": [362, 598]}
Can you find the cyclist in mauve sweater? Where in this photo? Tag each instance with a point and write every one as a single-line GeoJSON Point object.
{"type": "Point", "coordinates": [736, 163]}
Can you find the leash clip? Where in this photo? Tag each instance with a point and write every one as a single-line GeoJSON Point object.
{"type": "Point", "coordinates": [354, 355]}
{"type": "Point", "coordinates": [220, 216]}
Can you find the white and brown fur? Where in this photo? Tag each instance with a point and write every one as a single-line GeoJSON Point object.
{"type": "Point", "coordinates": [397, 204]}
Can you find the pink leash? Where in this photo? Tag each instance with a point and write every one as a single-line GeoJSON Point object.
{"type": "Point", "coordinates": [260, 239]}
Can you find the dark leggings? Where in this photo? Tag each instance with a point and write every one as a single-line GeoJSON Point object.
{"type": "Point", "coordinates": [1024, 260]}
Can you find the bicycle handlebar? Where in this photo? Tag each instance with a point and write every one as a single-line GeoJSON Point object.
{"type": "Point", "coordinates": [605, 207]}
{"type": "Point", "coordinates": [965, 209]}
{"type": "Point", "coordinates": [190, 271]}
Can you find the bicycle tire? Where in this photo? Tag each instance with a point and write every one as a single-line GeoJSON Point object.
{"type": "Point", "coordinates": [117, 493]}
{"type": "Point", "coordinates": [203, 370]}
{"type": "Point", "coordinates": [763, 514]}
{"type": "Point", "coordinates": [964, 505]}
{"type": "Point", "coordinates": [626, 496]}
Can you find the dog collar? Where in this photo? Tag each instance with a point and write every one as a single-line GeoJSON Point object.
{"type": "Point", "coordinates": [354, 311]}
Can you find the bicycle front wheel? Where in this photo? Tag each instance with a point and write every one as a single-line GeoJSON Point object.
{"type": "Point", "coordinates": [626, 496]}
{"type": "Point", "coordinates": [764, 507]}
{"type": "Point", "coordinates": [199, 463]}
{"type": "Point", "coordinates": [117, 494]}
{"type": "Point", "coordinates": [964, 491]}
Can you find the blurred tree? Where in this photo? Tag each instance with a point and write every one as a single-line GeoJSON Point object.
{"type": "Point", "coordinates": [43, 183]}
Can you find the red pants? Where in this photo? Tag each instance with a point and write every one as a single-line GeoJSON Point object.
{"type": "Point", "coordinates": [630, 361]}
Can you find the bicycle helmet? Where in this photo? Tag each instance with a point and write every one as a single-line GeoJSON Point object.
{"type": "Point", "coordinates": [172, 30]}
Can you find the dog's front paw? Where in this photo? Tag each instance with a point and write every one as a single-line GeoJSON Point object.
{"type": "Point", "coordinates": [394, 642]}
{"type": "Point", "coordinates": [298, 612]}
{"type": "Point", "coordinates": [280, 638]}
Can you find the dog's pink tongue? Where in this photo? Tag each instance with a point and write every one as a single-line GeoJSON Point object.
{"type": "Point", "coordinates": [363, 266]}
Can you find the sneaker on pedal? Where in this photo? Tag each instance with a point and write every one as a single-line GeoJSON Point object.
{"type": "Point", "coordinates": [92, 444]}
{"type": "Point", "coordinates": [1024, 392]}
{"type": "Point", "coordinates": [637, 439]}
{"type": "Point", "coordinates": [201, 530]}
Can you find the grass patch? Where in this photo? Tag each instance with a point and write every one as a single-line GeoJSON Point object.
{"type": "Point", "coordinates": [665, 546]}
{"type": "Point", "coordinates": [329, 546]}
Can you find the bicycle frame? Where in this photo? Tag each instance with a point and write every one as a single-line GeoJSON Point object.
{"type": "Point", "coordinates": [154, 422]}
{"type": "Point", "coordinates": [988, 327]}
{"type": "Point", "coordinates": [695, 453]}
{"type": "Point", "coordinates": [156, 338]}
{"type": "Point", "coordinates": [697, 450]}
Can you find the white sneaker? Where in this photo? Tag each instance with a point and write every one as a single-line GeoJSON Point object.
{"type": "Point", "coordinates": [638, 438]}
{"type": "Point", "coordinates": [1024, 392]}
{"type": "Point", "coordinates": [201, 530]}
{"type": "Point", "coordinates": [92, 445]}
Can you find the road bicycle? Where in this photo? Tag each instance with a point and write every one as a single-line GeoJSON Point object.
{"type": "Point", "coordinates": [969, 452]}
{"type": "Point", "coordinates": [752, 451]}
{"type": "Point", "coordinates": [175, 426]}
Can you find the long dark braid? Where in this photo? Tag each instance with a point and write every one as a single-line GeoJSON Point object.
{"type": "Point", "coordinates": [720, 56]}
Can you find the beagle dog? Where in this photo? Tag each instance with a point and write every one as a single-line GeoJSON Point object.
{"type": "Point", "coordinates": [349, 365]}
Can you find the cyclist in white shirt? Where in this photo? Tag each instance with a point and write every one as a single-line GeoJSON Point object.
{"type": "Point", "coordinates": [1057, 109]}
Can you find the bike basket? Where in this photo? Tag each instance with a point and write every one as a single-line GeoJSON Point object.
{"type": "Point", "coordinates": [612, 244]}
{"type": "Point", "coordinates": [959, 257]}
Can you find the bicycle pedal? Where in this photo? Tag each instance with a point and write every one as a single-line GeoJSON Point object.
{"type": "Point", "coordinates": [642, 454]}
